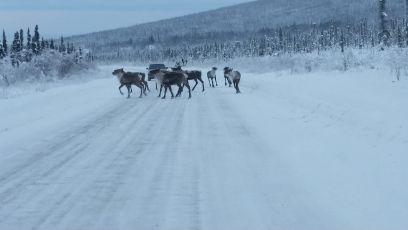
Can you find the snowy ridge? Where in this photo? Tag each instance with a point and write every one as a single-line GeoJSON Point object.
{"type": "Point", "coordinates": [251, 16]}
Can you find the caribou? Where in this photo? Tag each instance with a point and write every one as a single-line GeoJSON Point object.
{"type": "Point", "coordinates": [167, 78]}
{"type": "Point", "coordinates": [128, 79]}
{"type": "Point", "coordinates": [145, 84]}
{"type": "Point", "coordinates": [211, 75]}
{"type": "Point", "coordinates": [191, 75]}
{"type": "Point", "coordinates": [227, 80]}
{"type": "Point", "coordinates": [234, 77]}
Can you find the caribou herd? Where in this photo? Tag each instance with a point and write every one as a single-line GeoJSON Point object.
{"type": "Point", "coordinates": [165, 79]}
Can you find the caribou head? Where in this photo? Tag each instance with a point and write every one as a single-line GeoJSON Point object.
{"type": "Point", "coordinates": [118, 73]}
{"type": "Point", "coordinates": [227, 70]}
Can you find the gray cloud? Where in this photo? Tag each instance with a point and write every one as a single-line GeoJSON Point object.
{"type": "Point", "coordinates": [68, 17]}
{"type": "Point", "coordinates": [92, 5]}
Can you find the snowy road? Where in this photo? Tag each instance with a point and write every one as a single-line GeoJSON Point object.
{"type": "Point", "coordinates": [296, 152]}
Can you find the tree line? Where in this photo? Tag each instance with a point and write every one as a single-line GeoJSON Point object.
{"type": "Point", "coordinates": [25, 46]}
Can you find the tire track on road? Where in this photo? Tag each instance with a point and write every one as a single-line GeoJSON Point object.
{"type": "Point", "coordinates": [97, 193]}
{"type": "Point", "coordinates": [66, 150]}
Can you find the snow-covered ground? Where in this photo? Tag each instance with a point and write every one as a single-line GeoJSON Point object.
{"type": "Point", "coordinates": [310, 151]}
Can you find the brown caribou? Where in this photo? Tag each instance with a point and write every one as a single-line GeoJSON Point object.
{"type": "Point", "coordinates": [128, 79]}
{"type": "Point", "coordinates": [168, 78]}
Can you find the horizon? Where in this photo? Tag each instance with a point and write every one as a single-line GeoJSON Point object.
{"type": "Point", "coordinates": [57, 18]}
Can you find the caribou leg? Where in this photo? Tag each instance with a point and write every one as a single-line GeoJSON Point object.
{"type": "Point", "coordinates": [202, 83]}
{"type": "Point", "coordinates": [141, 87]}
{"type": "Point", "coordinates": [189, 89]}
{"type": "Point", "coordinates": [229, 81]}
{"type": "Point", "coordinates": [161, 88]}
{"type": "Point", "coordinates": [196, 83]}
{"type": "Point", "coordinates": [120, 88]}
{"type": "Point", "coordinates": [171, 91]}
{"type": "Point", "coordinates": [216, 80]}
{"type": "Point", "coordinates": [146, 85]}
{"type": "Point", "coordinates": [129, 88]}
{"type": "Point", "coordinates": [236, 83]}
{"type": "Point", "coordinates": [180, 89]}
{"type": "Point", "coordinates": [165, 92]}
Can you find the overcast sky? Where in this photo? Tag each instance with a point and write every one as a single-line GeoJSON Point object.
{"type": "Point", "coordinates": [68, 17]}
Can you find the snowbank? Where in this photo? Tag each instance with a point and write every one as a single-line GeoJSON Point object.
{"type": "Point", "coordinates": [39, 85]}
{"type": "Point", "coordinates": [50, 66]}
{"type": "Point", "coordinates": [392, 59]}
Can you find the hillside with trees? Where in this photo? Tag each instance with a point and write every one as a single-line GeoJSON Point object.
{"type": "Point", "coordinates": [267, 27]}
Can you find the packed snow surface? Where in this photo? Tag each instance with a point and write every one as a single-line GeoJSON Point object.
{"type": "Point", "coordinates": [309, 151]}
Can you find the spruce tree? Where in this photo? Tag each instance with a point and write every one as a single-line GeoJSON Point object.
{"type": "Point", "coordinates": [406, 34]}
{"type": "Point", "coordinates": [52, 46]}
{"type": "Point", "coordinates": [342, 41]}
{"type": "Point", "coordinates": [62, 48]}
{"type": "Point", "coordinates": [1, 52]}
{"type": "Point", "coordinates": [280, 39]}
{"type": "Point", "coordinates": [399, 38]}
{"type": "Point", "coordinates": [42, 44]}
{"type": "Point", "coordinates": [5, 46]}
{"type": "Point", "coordinates": [406, 9]}
{"type": "Point", "coordinates": [21, 39]}
{"type": "Point", "coordinates": [384, 35]}
{"type": "Point", "coordinates": [15, 48]}
{"type": "Point", "coordinates": [28, 39]}
{"type": "Point", "coordinates": [36, 46]}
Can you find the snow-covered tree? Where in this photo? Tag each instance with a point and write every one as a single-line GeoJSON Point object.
{"type": "Point", "coordinates": [21, 39]}
{"type": "Point", "coordinates": [36, 44]}
{"type": "Point", "coordinates": [384, 34]}
{"type": "Point", "coordinates": [400, 41]}
{"type": "Point", "coordinates": [28, 39]}
{"type": "Point", "coordinates": [62, 48]}
{"type": "Point", "coordinates": [42, 44]}
{"type": "Point", "coordinates": [5, 46]}
{"type": "Point", "coordinates": [406, 9]}
{"type": "Point", "coordinates": [2, 54]}
{"type": "Point", "coordinates": [15, 49]}
{"type": "Point", "coordinates": [52, 46]}
{"type": "Point", "coordinates": [342, 41]}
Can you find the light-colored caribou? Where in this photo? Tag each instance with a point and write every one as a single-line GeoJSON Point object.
{"type": "Point", "coordinates": [211, 75]}
{"type": "Point", "coordinates": [233, 76]}
{"type": "Point", "coordinates": [128, 79]}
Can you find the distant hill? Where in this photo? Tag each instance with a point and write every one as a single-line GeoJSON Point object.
{"type": "Point", "coordinates": [246, 17]}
